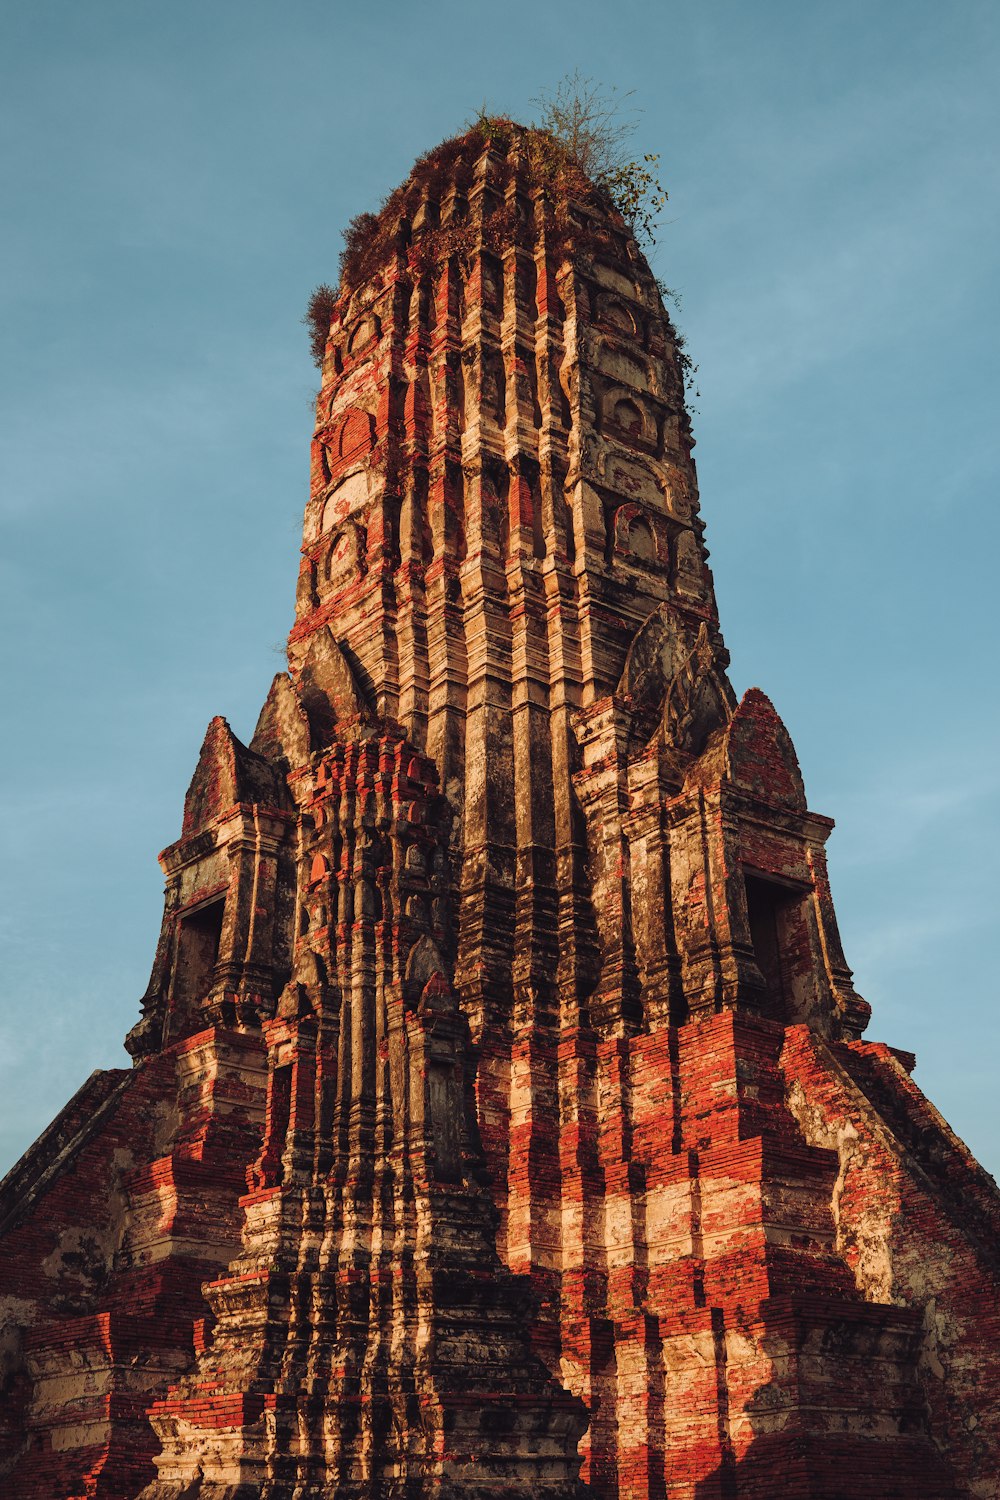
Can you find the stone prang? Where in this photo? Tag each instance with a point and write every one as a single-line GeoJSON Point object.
{"type": "Point", "coordinates": [501, 1126]}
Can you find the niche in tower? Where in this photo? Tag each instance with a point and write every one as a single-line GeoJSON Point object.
{"type": "Point", "coordinates": [198, 938]}
{"type": "Point", "coordinates": [776, 916]}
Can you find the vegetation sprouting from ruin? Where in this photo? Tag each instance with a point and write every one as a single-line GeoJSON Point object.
{"type": "Point", "coordinates": [577, 152]}
{"type": "Point", "coordinates": [319, 311]}
{"type": "Point", "coordinates": [593, 125]}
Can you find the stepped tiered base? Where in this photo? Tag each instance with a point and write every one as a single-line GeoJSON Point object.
{"type": "Point", "coordinates": [713, 1299]}
{"type": "Point", "coordinates": [120, 1222]}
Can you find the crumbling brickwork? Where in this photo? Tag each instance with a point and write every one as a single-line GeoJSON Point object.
{"type": "Point", "coordinates": [501, 1123]}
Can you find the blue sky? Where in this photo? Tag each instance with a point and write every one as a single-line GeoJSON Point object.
{"type": "Point", "coordinates": [175, 180]}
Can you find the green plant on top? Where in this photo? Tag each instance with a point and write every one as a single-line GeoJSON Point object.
{"type": "Point", "coordinates": [319, 311]}
{"type": "Point", "coordinates": [594, 125]}
{"type": "Point", "coordinates": [582, 133]}
{"type": "Point", "coordinates": [578, 148]}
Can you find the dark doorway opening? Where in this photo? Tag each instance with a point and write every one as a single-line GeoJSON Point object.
{"type": "Point", "coordinates": [769, 908]}
{"type": "Point", "coordinates": [197, 954]}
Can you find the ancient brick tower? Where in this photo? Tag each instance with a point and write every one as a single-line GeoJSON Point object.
{"type": "Point", "coordinates": [500, 1124]}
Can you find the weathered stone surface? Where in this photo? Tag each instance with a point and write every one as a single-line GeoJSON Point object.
{"type": "Point", "coordinates": [500, 1122]}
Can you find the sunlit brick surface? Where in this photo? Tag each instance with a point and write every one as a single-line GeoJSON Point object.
{"type": "Point", "coordinates": [501, 1124]}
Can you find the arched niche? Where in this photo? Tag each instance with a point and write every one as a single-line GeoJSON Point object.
{"type": "Point", "coordinates": [611, 312]}
{"type": "Point", "coordinates": [350, 497]}
{"type": "Point", "coordinates": [424, 964]}
{"type": "Point", "coordinates": [627, 418]}
{"type": "Point", "coordinates": [626, 415]}
{"type": "Point", "coordinates": [344, 558]}
{"type": "Point", "coordinates": [640, 537]}
{"type": "Point", "coordinates": [363, 334]}
{"type": "Point", "coordinates": [640, 540]}
{"type": "Point", "coordinates": [353, 434]}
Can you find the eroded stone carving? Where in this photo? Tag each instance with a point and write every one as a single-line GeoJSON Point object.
{"type": "Point", "coordinates": [501, 1123]}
